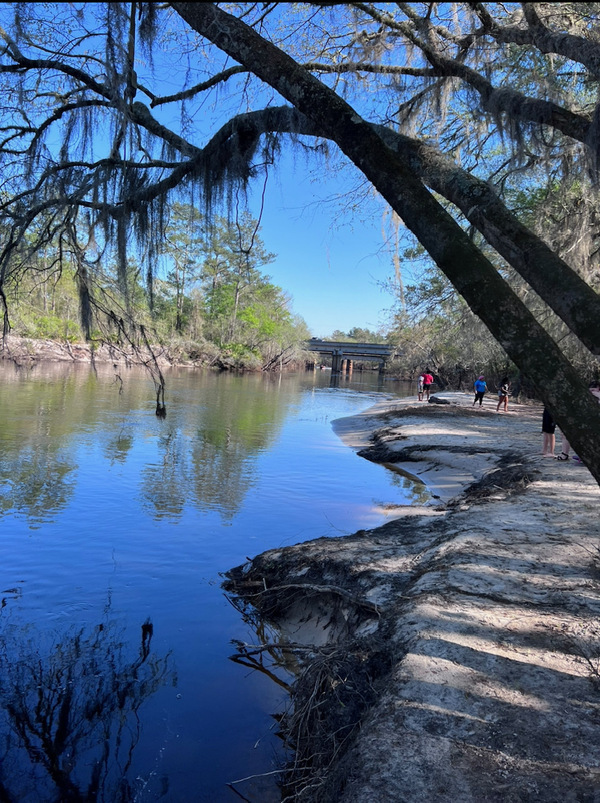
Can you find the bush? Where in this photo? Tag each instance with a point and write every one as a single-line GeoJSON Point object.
{"type": "Point", "coordinates": [242, 357]}
{"type": "Point", "coordinates": [48, 327]}
{"type": "Point", "coordinates": [183, 350]}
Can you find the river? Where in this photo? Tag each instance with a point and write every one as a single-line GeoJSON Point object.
{"type": "Point", "coordinates": [116, 527]}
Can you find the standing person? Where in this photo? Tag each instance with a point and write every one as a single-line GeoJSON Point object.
{"type": "Point", "coordinates": [549, 438]}
{"type": "Point", "coordinates": [566, 448]}
{"type": "Point", "coordinates": [565, 445]}
{"type": "Point", "coordinates": [480, 386]}
{"type": "Point", "coordinates": [503, 394]}
{"type": "Point", "coordinates": [420, 387]}
{"type": "Point", "coordinates": [427, 383]}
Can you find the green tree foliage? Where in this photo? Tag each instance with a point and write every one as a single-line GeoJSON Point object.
{"type": "Point", "coordinates": [41, 289]}
{"type": "Point", "coordinates": [358, 334]}
{"type": "Point", "coordinates": [184, 247]}
{"type": "Point", "coordinates": [438, 106]}
{"type": "Point", "coordinates": [244, 312]}
{"type": "Point", "coordinates": [232, 275]}
{"type": "Point", "coordinates": [211, 288]}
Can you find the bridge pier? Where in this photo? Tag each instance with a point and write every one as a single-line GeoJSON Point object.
{"type": "Point", "coordinates": [341, 364]}
{"type": "Point", "coordinates": [336, 362]}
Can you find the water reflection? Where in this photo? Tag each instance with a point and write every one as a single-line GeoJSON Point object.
{"type": "Point", "coordinates": [37, 480]}
{"type": "Point", "coordinates": [338, 380]}
{"type": "Point", "coordinates": [69, 707]}
{"type": "Point", "coordinates": [165, 483]}
{"type": "Point", "coordinates": [208, 452]}
{"type": "Point", "coordinates": [119, 446]}
{"type": "Point", "coordinates": [205, 452]}
{"type": "Point", "coordinates": [270, 656]}
{"type": "Point", "coordinates": [156, 509]}
{"type": "Point", "coordinates": [412, 487]}
{"type": "Point", "coordinates": [37, 469]}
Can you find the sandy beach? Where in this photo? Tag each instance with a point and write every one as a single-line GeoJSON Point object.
{"type": "Point", "coordinates": [453, 653]}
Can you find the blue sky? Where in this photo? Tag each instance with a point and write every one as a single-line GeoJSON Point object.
{"type": "Point", "coordinates": [329, 259]}
{"type": "Point", "coordinates": [330, 246]}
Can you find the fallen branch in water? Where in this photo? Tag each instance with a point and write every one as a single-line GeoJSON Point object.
{"type": "Point", "coordinates": [254, 649]}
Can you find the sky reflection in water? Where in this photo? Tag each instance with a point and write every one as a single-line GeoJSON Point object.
{"type": "Point", "coordinates": [115, 527]}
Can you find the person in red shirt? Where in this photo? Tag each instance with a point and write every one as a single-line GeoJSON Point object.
{"type": "Point", "coordinates": [427, 383]}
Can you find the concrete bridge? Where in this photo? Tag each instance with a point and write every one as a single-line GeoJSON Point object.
{"type": "Point", "coordinates": [342, 354]}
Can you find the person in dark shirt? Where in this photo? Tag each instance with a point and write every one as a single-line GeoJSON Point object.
{"type": "Point", "coordinates": [549, 438]}
{"type": "Point", "coordinates": [503, 394]}
{"type": "Point", "coordinates": [566, 446]}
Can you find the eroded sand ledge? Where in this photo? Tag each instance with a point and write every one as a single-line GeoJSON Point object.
{"type": "Point", "coordinates": [454, 652]}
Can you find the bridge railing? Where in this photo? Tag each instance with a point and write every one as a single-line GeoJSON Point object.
{"type": "Point", "coordinates": [349, 349]}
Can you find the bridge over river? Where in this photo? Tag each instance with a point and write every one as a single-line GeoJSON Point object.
{"type": "Point", "coordinates": [342, 354]}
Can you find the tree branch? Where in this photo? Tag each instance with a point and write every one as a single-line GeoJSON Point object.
{"type": "Point", "coordinates": [201, 87]}
{"type": "Point", "coordinates": [572, 47]}
{"type": "Point", "coordinates": [494, 100]}
{"type": "Point", "coordinates": [565, 292]}
{"type": "Point", "coordinates": [474, 277]}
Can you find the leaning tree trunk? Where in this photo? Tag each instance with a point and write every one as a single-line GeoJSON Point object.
{"type": "Point", "coordinates": [568, 295]}
{"type": "Point", "coordinates": [474, 277]}
{"type": "Point", "coordinates": [565, 292]}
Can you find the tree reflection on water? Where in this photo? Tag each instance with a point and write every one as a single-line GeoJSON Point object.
{"type": "Point", "coordinates": [69, 718]}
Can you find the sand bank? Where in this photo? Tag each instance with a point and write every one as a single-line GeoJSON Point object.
{"type": "Point", "coordinates": [454, 654]}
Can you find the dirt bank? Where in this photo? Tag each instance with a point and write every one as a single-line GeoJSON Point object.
{"type": "Point", "coordinates": [454, 653]}
{"type": "Point", "coordinates": [24, 351]}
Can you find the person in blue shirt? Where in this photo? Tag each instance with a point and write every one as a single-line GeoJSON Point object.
{"type": "Point", "coordinates": [480, 389]}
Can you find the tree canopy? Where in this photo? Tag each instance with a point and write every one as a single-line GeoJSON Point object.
{"type": "Point", "coordinates": [114, 110]}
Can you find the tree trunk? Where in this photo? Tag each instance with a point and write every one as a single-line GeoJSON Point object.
{"type": "Point", "coordinates": [565, 292]}
{"type": "Point", "coordinates": [475, 278]}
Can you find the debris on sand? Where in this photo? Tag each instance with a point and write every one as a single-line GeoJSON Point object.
{"type": "Point", "coordinates": [453, 654]}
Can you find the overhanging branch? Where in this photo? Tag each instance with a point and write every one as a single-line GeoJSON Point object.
{"type": "Point", "coordinates": [474, 277]}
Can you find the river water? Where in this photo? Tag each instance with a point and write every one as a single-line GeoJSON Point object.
{"type": "Point", "coordinates": [115, 529]}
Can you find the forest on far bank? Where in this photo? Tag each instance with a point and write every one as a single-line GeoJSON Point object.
{"type": "Point", "coordinates": [475, 125]}
{"type": "Point", "coordinates": [212, 303]}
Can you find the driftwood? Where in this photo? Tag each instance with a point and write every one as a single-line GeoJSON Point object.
{"type": "Point", "coordinates": [315, 589]}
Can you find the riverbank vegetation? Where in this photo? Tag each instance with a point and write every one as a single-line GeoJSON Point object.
{"type": "Point", "coordinates": [209, 302]}
{"type": "Point", "coordinates": [433, 325]}
{"type": "Point", "coordinates": [475, 124]}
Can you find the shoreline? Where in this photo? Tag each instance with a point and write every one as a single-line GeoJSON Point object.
{"type": "Point", "coordinates": [461, 640]}
{"type": "Point", "coordinates": [27, 352]}
{"type": "Point", "coordinates": [443, 473]}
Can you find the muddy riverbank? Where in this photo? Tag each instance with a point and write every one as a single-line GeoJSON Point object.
{"type": "Point", "coordinates": [454, 653]}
